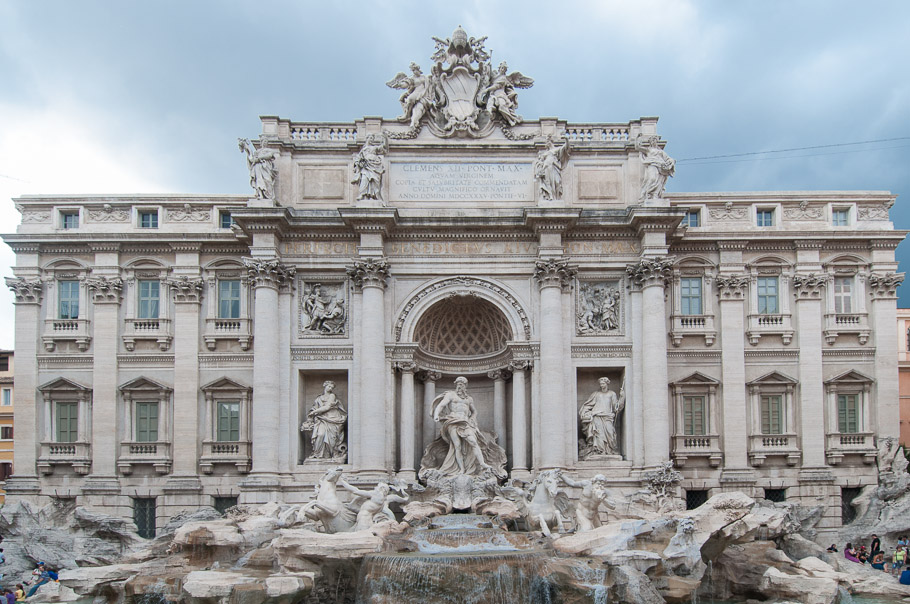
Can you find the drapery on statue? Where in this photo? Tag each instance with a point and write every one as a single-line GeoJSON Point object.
{"type": "Point", "coordinates": [548, 169]}
{"type": "Point", "coordinates": [419, 96]}
{"type": "Point", "coordinates": [368, 168]}
{"type": "Point", "coordinates": [657, 167]}
{"type": "Point", "coordinates": [261, 163]}
{"type": "Point", "coordinates": [598, 417]}
{"type": "Point", "coordinates": [461, 448]}
{"type": "Point", "coordinates": [500, 93]}
{"type": "Point", "coordinates": [326, 421]}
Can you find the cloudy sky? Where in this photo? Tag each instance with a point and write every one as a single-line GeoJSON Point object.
{"type": "Point", "coordinates": [150, 97]}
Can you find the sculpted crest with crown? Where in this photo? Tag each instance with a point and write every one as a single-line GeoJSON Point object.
{"type": "Point", "coordinates": [462, 95]}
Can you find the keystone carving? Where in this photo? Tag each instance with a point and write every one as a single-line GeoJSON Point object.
{"type": "Point", "coordinates": [554, 273]}
{"type": "Point", "coordinates": [268, 272]}
{"type": "Point", "coordinates": [27, 291]}
{"type": "Point", "coordinates": [369, 272]}
{"type": "Point", "coordinates": [651, 271]}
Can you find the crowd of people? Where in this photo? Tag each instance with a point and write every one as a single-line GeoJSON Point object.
{"type": "Point", "coordinates": [896, 562]}
{"type": "Point", "coordinates": [41, 575]}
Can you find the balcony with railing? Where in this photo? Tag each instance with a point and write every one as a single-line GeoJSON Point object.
{"type": "Point", "coordinates": [158, 330]}
{"type": "Point", "coordinates": [227, 329]}
{"type": "Point", "coordinates": [225, 452]}
{"type": "Point", "coordinates": [686, 446]}
{"type": "Point", "coordinates": [75, 454]}
{"type": "Point", "coordinates": [157, 454]}
{"type": "Point", "coordinates": [67, 330]}
{"type": "Point", "coordinates": [761, 325]}
{"type": "Point", "coordinates": [847, 323]}
{"type": "Point", "coordinates": [840, 444]}
{"type": "Point", "coordinates": [763, 446]}
{"type": "Point", "coordinates": [692, 325]}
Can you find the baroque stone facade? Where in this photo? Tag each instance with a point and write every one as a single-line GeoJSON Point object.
{"type": "Point", "coordinates": [190, 350]}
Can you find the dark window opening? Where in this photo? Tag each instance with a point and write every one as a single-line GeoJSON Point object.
{"type": "Point", "coordinates": [226, 220]}
{"type": "Point", "coordinates": [847, 511]}
{"type": "Point", "coordinates": [6, 470]}
{"type": "Point", "coordinates": [695, 499]}
{"type": "Point", "coordinates": [776, 495]}
{"type": "Point", "coordinates": [223, 504]}
{"type": "Point", "coordinates": [144, 516]}
{"type": "Point", "coordinates": [4, 363]}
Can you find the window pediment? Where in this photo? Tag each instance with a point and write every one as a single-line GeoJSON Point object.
{"type": "Point", "coordinates": [775, 378]}
{"type": "Point", "coordinates": [225, 385]}
{"type": "Point", "coordinates": [697, 379]}
{"type": "Point", "coordinates": [849, 377]}
{"type": "Point", "coordinates": [63, 385]}
{"type": "Point", "coordinates": [143, 384]}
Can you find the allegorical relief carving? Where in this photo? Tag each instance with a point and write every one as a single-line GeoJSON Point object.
{"type": "Point", "coordinates": [599, 416]}
{"type": "Point", "coordinates": [189, 214]}
{"type": "Point", "coordinates": [369, 168]}
{"type": "Point", "coordinates": [862, 212]}
{"type": "Point", "coordinates": [107, 213]}
{"type": "Point", "coordinates": [462, 94]}
{"type": "Point", "coordinates": [657, 167]}
{"type": "Point", "coordinates": [36, 217]}
{"type": "Point", "coordinates": [326, 421]}
{"type": "Point", "coordinates": [803, 212]}
{"type": "Point", "coordinates": [323, 308]}
{"type": "Point", "coordinates": [597, 308]}
{"type": "Point", "coordinates": [548, 169]}
{"type": "Point", "coordinates": [261, 163]}
{"type": "Point", "coordinates": [728, 212]}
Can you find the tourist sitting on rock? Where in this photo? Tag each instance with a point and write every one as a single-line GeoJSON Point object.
{"type": "Point", "coordinates": [833, 548]}
{"type": "Point", "coordinates": [10, 596]}
{"type": "Point", "coordinates": [45, 576]}
{"type": "Point", "coordinates": [20, 593]}
{"type": "Point", "coordinates": [878, 560]}
{"type": "Point", "coordinates": [905, 576]}
{"type": "Point", "coordinates": [902, 541]}
{"type": "Point", "coordinates": [850, 553]}
{"type": "Point", "coordinates": [862, 555]}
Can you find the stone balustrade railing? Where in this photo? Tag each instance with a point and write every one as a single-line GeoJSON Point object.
{"type": "Point", "coordinates": [155, 453]}
{"type": "Point", "coordinates": [228, 452]}
{"type": "Point", "coordinates": [76, 454]}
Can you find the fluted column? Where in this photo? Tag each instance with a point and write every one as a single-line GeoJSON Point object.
{"type": "Point", "coordinates": [883, 287]}
{"type": "Point", "coordinates": [808, 291]}
{"type": "Point", "coordinates": [105, 292]}
{"type": "Point", "coordinates": [429, 393]}
{"type": "Point", "coordinates": [370, 276]}
{"type": "Point", "coordinates": [553, 276]}
{"type": "Point", "coordinates": [519, 417]}
{"type": "Point", "coordinates": [187, 292]}
{"type": "Point", "coordinates": [266, 275]}
{"type": "Point", "coordinates": [408, 429]}
{"type": "Point", "coordinates": [731, 291]}
{"type": "Point", "coordinates": [651, 275]}
{"type": "Point", "coordinates": [499, 404]}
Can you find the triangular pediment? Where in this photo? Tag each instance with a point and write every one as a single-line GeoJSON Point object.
{"type": "Point", "coordinates": [697, 378]}
{"type": "Point", "coordinates": [223, 385]}
{"type": "Point", "coordinates": [144, 384]}
{"type": "Point", "coordinates": [775, 377]}
{"type": "Point", "coordinates": [63, 384]}
{"type": "Point", "coordinates": [850, 377]}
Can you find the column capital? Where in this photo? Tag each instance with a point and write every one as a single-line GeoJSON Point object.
{"type": "Point", "coordinates": [884, 285]}
{"type": "Point", "coordinates": [554, 273]}
{"type": "Point", "coordinates": [186, 289]}
{"type": "Point", "coordinates": [268, 272]}
{"type": "Point", "coordinates": [808, 286]}
{"type": "Point", "coordinates": [498, 374]}
{"type": "Point", "coordinates": [651, 271]}
{"type": "Point", "coordinates": [430, 376]}
{"type": "Point", "coordinates": [406, 366]}
{"type": "Point", "coordinates": [519, 365]}
{"type": "Point", "coordinates": [105, 290]}
{"type": "Point", "coordinates": [731, 287]}
{"type": "Point", "coordinates": [369, 272]}
{"type": "Point", "coordinates": [26, 291]}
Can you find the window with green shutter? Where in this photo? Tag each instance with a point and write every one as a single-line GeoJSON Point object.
{"type": "Point", "coordinates": [67, 422]}
{"type": "Point", "coordinates": [772, 414]}
{"type": "Point", "coordinates": [228, 421]}
{"type": "Point", "coordinates": [694, 416]}
{"type": "Point", "coordinates": [146, 422]}
{"type": "Point", "coordinates": [848, 413]}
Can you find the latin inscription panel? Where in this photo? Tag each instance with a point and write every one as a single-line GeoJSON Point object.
{"type": "Point", "coordinates": [436, 181]}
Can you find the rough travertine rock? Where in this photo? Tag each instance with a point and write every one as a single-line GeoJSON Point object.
{"type": "Point", "coordinates": [811, 590]}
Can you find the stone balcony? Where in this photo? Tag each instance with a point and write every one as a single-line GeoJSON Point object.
{"type": "Point", "coordinates": [769, 325]}
{"type": "Point", "coordinates": [76, 454]}
{"type": "Point", "coordinates": [840, 444]}
{"type": "Point", "coordinates": [697, 446]}
{"type": "Point", "coordinates": [692, 325]}
{"type": "Point", "coordinates": [158, 330]}
{"type": "Point", "coordinates": [233, 452]}
{"type": "Point", "coordinates": [62, 330]}
{"type": "Point", "coordinates": [157, 454]}
{"type": "Point", "coordinates": [763, 446]}
{"type": "Point", "coordinates": [227, 329]}
{"type": "Point", "coordinates": [851, 323]}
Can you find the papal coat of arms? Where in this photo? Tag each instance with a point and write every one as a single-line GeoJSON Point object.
{"type": "Point", "coordinates": [462, 95]}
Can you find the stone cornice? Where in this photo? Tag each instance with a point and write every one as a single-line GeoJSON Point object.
{"type": "Point", "coordinates": [551, 220]}
{"type": "Point", "coordinates": [554, 273]}
{"type": "Point", "coordinates": [370, 220]}
{"type": "Point", "coordinates": [268, 272]}
{"type": "Point", "coordinates": [104, 246]}
{"type": "Point", "coordinates": [808, 285]}
{"type": "Point", "coordinates": [808, 244]}
{"type": "Point", "coordinates": [884, 285]}
{"type": "Point", "coordinates": [104, 289]}
{"type": "Point", "coordinates": [651, 271]}
{"type": "Point", "coordinates": [26, 291]}
{"type": "Point", "coordinates": [369, 272]}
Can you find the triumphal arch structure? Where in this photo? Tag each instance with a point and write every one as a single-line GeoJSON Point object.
{"type": "Point", "coordinates": [176, 351]}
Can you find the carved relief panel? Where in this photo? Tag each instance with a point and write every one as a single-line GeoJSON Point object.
{"type": "Point", "coordinates": [323, 306]}
{"type": "Point", "coordinates": [599, 307]}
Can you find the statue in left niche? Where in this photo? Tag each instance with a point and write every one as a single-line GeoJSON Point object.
{"type": "Point", "coordinates": [326, 421]}
{"type": "Point", "coordinates": [369, 168]}
{"type": "Point", "coordinates": [261, 163]}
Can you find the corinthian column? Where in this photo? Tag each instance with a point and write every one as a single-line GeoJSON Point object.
{"type": "Point", "coordinates": [519, 418]}
{"type": "Point", "coordinates": [370, 275]}
{"type": "Point", "coordinates": [429, 393]}
{"type": "Point", "coordinates": [266, 275]}
{"type": "Point", "coordinates": [553, 276]}
{"type": "Point", "coordinates": [408, 431]}
{"type": "Point", "coordinates": [651, 275]}
{"type": "Point", "coordinates": [499, 404]}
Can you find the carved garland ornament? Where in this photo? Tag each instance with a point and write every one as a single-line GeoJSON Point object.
{"type": "Point", "coordinates": [804, 212]}
{"type": "Point", "coordinates": [189, 214]}
{"type": "Point", "coordinates": [651, 271]}
{"type": "Point", "coordinates": [554, 273]}
{"type": "Point", "coordinates": [268, 272]}
{"type": "Point", "coordinates": [104, 289]}
{"type": "Point", "coordinates": [884, 285]}
{"type": "Point", "coordinates": [873, 212]}
{"type": "Point", "coordinates": [26, 291]}
{"type": "Point", "coordinates": [727, 213]}
{"type": "Point", "coordinates": [369, 272]}
{"type": "Point", "coordinates": [107, 213]}
{"type": "Point", "coordinates": [466, 282]}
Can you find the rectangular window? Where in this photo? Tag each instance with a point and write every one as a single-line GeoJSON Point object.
{"type": "Point", "coordinates": [69, 220]}
{"type": "Point", "coordinates": [148, 219]}
{"type": "Point", "coordinates": [695, 499]}
{"type": "Point", "coordinates": [67, 422]}
{"type": "Point", "coordinates": [229, 299]}
{"type": "Point", "coordinates": [6, 397]}
{"type": "Point", "coordinates": [68, 299]}
{"type": "Point", "coordinates": [690, 295]}
{"type": "Point", "coordinates": [6, 432]}
{"type": "Point", "coordinates": [694, 416]}
{"type": "Point", "coordinates": [144, 516]}
{"type": "Point", "coordinates": [4, 363]}
{"type": "Point", "coordinates": [149, 297]}
{"type": "Point", "coordinates": [764, 218]}
{"type": "Point", "coordinates": [6, 470]}
{"type": "Point", "coordinates": [767, 295]}
{"type": "Point", "coordinates": [840, 218]}
{"type": "Point", "coordinates": [692, 219]}
{"type": "Point", "coordinates": [843, 295]}
{"type": "Point", "coordinates": [848, 413]}
{"type": "Point", "coordinates": [228, 421]}
{"type": "Point", "coordinates": [776, 495]}
{"type": "Point", "coordinates": [772, 414]}
{"type": "Point", "coordinates": [225, 219]}
{"type": "Point", "coordinates": [223, 504]}
{"type": "Point", "coordinates": [146, 422]}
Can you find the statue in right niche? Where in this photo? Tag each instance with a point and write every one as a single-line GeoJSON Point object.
{"type": "Point", "coordinates": [598, 417]}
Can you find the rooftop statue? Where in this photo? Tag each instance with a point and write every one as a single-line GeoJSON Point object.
{"type": "Point", "coordinates": [261, 163]}
{"type": "Point", "coordinates": [657, 167]}
{"type": "Point", "coordinates": [548, 169]}
{"type": "Point", "coordinates": [369, 168]}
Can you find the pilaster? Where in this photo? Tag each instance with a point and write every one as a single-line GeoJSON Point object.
{"type": "Point", "coordinates": [731, 294]}
{"type": "Point", "coordinates": [105, 294]}
{"type": "Point", "coordinates": [883, 289]}
{"type": "Point", "coordinates": [807, 290]}
{"type": "Point", "coordinates": [187, 292]}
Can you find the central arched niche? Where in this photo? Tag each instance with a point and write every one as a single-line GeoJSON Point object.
{"type": "Point", "coordinates": [463, 326]}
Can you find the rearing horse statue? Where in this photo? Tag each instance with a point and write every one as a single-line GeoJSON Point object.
{"type": "Point", "coordinates": [549, 507]}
